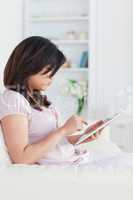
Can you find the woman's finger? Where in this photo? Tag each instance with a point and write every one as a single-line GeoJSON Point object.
{"type": "Point", "coordinates": [83, 120]}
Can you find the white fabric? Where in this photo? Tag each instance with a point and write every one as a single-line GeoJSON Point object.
{"type": "Point", "coordinates": [26, 182]}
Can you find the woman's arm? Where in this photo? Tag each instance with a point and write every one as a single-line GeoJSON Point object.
{"type": "Point", "coordinates": [15, 129]}
{"type": "Point", "coordinates": [73, 139]}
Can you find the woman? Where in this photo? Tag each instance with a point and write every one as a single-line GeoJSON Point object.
{"type": "Point", "coordinates": [29, 120]}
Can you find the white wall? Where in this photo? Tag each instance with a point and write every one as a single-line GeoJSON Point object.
{"type": "Point", "coordinates": [114, 47]}
{"type": "Point", "coordinates": [10, 30]}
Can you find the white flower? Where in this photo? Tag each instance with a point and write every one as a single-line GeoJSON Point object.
{"type": "Point", "coordinates": [75, 88]}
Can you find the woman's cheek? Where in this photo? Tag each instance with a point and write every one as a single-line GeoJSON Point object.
{"type": "Point", "coordinates": [48, 83]}
{"type": "Point", "coordinates": [43, 85]}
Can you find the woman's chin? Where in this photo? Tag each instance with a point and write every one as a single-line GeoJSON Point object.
{"type": "Point", "coordinates": [44, 88]}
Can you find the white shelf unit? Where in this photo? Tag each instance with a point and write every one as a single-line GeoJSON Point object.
{"type": "Point", "coordinates": [76, 42]}
{"type": "Point", "coordinates": [51, 19]}
{"type": "Point", "coordinates": [74, 69]}
{"type": "Point", "coordinates": [68, 27]}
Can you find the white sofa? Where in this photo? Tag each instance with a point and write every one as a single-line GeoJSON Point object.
{"type": "Point", "coordinates": [34, 182]}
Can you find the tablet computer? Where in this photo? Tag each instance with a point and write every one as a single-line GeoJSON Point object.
{"type": "Point", "coordinates": [104, 123]}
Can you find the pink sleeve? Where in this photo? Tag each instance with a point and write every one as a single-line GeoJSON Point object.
{"type": "Point", "coordinates": [12, 102]}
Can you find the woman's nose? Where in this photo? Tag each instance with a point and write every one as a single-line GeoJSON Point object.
{"type": "Point", "coordinates": [50, 81]}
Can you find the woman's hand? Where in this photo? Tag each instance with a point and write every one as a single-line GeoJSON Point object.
{"type": "Point", "coordinates": [73, 124]}
{"type": "Point", "coordinates": [93, 137]}
{"type": "Point", "coordinates": [92, 128]}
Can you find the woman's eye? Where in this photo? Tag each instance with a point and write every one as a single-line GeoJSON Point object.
{"type": "Point", "coordinates": [44, 73]}
{"type": "Point", "coordinates": [47, 75]}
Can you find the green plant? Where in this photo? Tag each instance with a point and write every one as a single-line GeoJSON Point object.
{"type": "Point", "coordinates": [77, 89]}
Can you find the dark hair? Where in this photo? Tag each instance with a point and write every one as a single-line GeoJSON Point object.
{"type": "Point", "coordinates": [28, 58]}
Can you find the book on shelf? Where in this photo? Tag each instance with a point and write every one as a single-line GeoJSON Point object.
{"type": "Point", "coordinates": [84, 60]}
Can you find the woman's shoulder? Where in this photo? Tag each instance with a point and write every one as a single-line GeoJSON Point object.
{"type": "Point", "coordinates": [12, 97]}
{"type": "Point", "coordinates": [13, 102]}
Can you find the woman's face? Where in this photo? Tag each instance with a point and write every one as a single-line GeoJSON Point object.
{"type": "Point", "coordinates": [41, 80]}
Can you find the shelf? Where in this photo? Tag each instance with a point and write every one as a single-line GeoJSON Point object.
{"type": "Point", "coordinates": [51, 19]}
{"type": "Point", "coordinates": [73, 69]}
{"type": "Point", "coordinates": [70, 41]}
{"type": "Point", "coordinates": [47, 23]}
